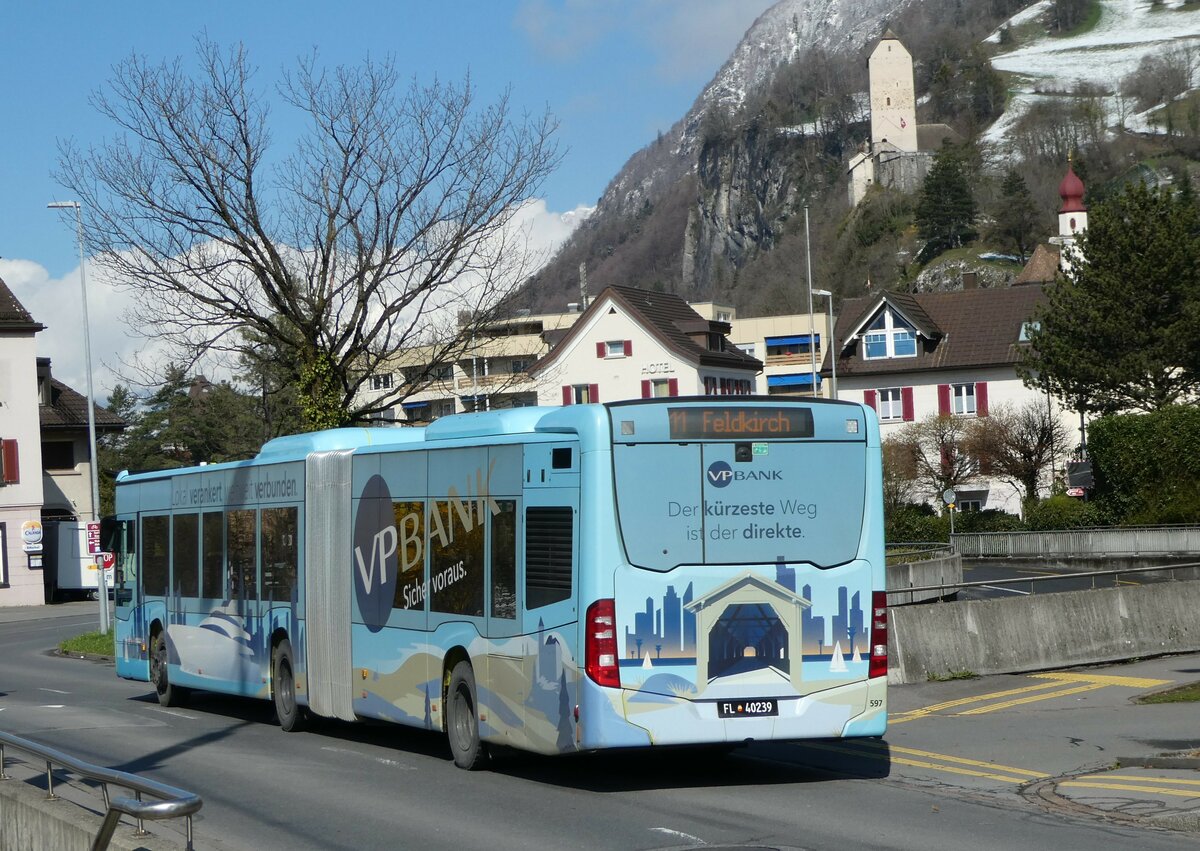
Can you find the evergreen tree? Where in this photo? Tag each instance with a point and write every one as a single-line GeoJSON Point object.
{"type": "Point", "coordinates": [1015, 214]}
{"type": "Point", "coordinates": [946, 209]}
{"type": "Point", "coordinates": [1122, 332]}
{"type": "Point", "coordinates": [185, 421]}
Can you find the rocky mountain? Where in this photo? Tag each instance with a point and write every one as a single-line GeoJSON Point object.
{"type": "Point", "coordinates": [716, 208]}
{"type": "Point", "coordinates": [788, 30]}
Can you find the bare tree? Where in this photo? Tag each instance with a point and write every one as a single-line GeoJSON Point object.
{"type": "Point", "coordinates": [1018, 444]}
{"type": "Point", "coordinates": [389, 224]}
{"type": "Point", "coordinates": [938, 455]}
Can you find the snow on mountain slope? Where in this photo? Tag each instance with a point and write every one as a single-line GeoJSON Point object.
{"type": "Point", "coordinates": [1128, 31]}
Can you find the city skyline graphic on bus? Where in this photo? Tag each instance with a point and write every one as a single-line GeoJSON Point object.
{"type": "Point", "coordinates": [743, 625]}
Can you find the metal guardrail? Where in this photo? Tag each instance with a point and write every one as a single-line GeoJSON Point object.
{"type": "Point", "coordinates": [1080, 543]}
{"type": "Point", "coordinates": [171, 803]}
{"type": "Point", "coordinates": [949, 587]}
{"type": "Point", "coordinates": [901, 553]}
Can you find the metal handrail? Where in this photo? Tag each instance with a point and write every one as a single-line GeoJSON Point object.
{"type": "Point", "coordinates": [947, 586]}
{"type": "Point", "coordinates": [171, 803]}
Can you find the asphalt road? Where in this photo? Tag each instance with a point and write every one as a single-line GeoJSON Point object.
{"type": "Point", "coordinates": [1015, 577]}
{"type": "Point", "coordinates": [955, 770]}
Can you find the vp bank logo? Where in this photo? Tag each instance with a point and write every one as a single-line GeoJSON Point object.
{"type": "Point", "coordinates": [375, 545]}
{"type": "Point", "coordinates": [720, 474]}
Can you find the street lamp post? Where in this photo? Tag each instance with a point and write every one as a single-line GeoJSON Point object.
{"type": "Point", "coordinates": [101, 584]}
{"type": "Point", "coordinates": [812, 331]}
{"type": "Point", "coordinates": [832, 347]}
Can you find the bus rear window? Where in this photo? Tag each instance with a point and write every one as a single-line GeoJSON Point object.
{"type": "Point", "coordinates": [697, 503]}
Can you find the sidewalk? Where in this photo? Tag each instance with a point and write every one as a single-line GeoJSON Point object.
{"type": "Point", "coordinates": [17, 614]}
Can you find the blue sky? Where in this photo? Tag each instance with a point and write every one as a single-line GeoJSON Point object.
{"type": "Point", "coordinates": [613, 72]}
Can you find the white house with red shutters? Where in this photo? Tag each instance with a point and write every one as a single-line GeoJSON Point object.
{"type": "Point", "coordinates": [912, 356]}
{"type": "Point", "coordinates": [633, 343]}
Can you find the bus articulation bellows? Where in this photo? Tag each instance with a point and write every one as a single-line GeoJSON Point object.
{"type": "Point", "coordinates": [670, 571]}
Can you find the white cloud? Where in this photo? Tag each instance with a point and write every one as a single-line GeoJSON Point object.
{"type": "Point", "coordinates": [57, 303]}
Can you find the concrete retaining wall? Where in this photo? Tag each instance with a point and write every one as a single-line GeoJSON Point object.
{"type": "Point", "coordinates": [944, 570]}
{"type": "Point", "coordinates": [1042, 631]}
{"type": "Point", "coordinates": [28, 822]}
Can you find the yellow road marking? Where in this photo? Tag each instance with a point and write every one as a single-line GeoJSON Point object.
{"type": "Point", "coordinates": [1125, 787]}
{"type": "Point", "coordinates": [1089, 682]}
{"type": "Point", "coordinates": [962, 701]}
{"type": "Point", "coordinates": [871, 743]}
{"type": "Point", "coordinates": [1142, 779]}
{"type": "Point", "coordinates": [914, 762]}
{"type": "Point", "coordinates": [982, 710]}
{"type": "Point", "coordinates": [1103, 679]}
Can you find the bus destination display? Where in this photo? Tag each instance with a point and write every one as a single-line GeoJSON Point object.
{"type": "Point", "coordinates": [733, 423]}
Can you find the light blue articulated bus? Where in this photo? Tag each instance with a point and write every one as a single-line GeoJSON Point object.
{"type": "Point", "coordinates": [658, 572]}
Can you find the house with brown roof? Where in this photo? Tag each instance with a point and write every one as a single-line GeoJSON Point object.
{"type": "Point", "coordinates": [66, 459]}
{"type": "Point", "coordinates": [914, 355]}
{"type": "Point", "coordinates": [20, 456]}
{"type": "Point", "coordinates": [633, 343]}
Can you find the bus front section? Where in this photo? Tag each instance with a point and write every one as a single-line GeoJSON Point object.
{"type": "Point", "coordinates": [751, 604]}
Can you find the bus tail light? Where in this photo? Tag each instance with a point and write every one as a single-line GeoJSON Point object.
{"type": "Point", "coordinates": [600, 644]}
{"type": "Point", "coordinates": [879, 635]}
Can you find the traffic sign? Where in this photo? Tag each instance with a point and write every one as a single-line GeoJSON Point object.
{"type": "Point", "coordinates": [93, 538]}
{"type": "Point", "coordinates": [949, 496]}
{"type": "Point", "coordinates": [108, 560]}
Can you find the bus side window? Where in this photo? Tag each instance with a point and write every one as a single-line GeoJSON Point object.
{"type": "Point", "coordinates": [504, 560]}
{"type": "Point", "coordinates": [548, 545]}
{"type": "Point", "coordinates": [156, 554]}
{"type": "Point", "coordinates": [212, 579]}
{"type": "Point", "coordinates": [240, 547]}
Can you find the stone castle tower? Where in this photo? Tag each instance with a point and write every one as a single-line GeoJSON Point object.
{"type": "Point", "coordinates": [899, 152]}
{"type": "Point", "coordinates": [893, 95]}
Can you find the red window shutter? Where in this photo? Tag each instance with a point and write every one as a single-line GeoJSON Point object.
{"type": "Point", "coordinates": [12, 465]}
{"type": "Point", "coordinates": [568, 394]}
{"type": "Point", "coordinates": [645, 389]}
{"type": "Point", "coordinates": [981, 408]}
{"type": "Point", "coordinates": [629, 348]}
{"type": "Point", "coordinates": [601, 350]}
{"type": "Point", "coordinates": [869, 399]}
{"type": "Point", "coordinates": [906, 404]}
{"type": "Point", "coordinates": [593, 392]}
{"type": "Point", "coordinates": [947, 459]}
{"type": "Point", "coordinates": [943, 400]}
{"type": "Point", "coordinates": [672, 386]}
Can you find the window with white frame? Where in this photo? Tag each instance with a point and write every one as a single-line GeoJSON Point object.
{"type": "Point", "coordinates": [890, 335]}
{"type": "Point", "coordinates": [582, 393]}
{"type": "Point", "coordinates": [962, 399]}
{"type": "Point", "coordinates": [614, 348]}
{"type": "Point", "coordinates": [891, 404]}
{"type": "Point", "coordinates": [970, 505]}
{"type": "Point", "coordinates": [660, 387]}
{"type": "Point", "coordinates": [520, 365]}
{"type": "Point", "coordinates": [747, 348]}
{"type": "Point", "coordinates": [381, 381]}
{"type": "Point", "coordinates": [442, 372]}
{"type": "Point", "coordinates": [441, 408]}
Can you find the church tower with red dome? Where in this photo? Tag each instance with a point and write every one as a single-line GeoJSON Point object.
{"type": "Point", "coordinates": [1072, 219]}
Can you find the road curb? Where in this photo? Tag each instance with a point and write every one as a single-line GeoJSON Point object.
{"type": "Point", "coordinates": [90, 657]}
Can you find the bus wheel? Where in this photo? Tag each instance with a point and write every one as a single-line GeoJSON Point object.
{"type": "Point", "coordinates": [283, 688]}
{"type": "Point", "coordinates": [462, 723]}
{"type": "Point", "coordinates": [168, 695]}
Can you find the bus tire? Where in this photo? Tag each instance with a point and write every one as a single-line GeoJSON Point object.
{"type": "Point", "coordinates": [283, 688]}
{"type": "Point", "coordinates": [462, 719]}
{"type": "Point", "coordinates": [168, 694]}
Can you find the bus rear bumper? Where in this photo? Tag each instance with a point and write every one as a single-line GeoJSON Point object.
{"type": "Point", "coordinates": [636, 718]}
